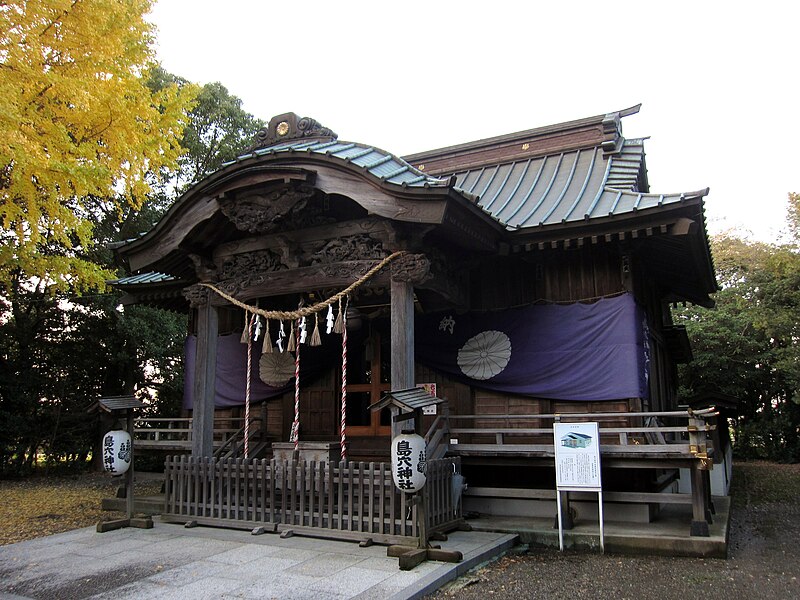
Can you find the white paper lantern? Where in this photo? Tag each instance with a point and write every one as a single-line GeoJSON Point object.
{"type": "Point", "coordinates": [408, 462]}
{"type": "Point", "coordinates": [117, 451]}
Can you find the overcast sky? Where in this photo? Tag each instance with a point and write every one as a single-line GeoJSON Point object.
{"type": "Point", "coordinates": [718, 81]}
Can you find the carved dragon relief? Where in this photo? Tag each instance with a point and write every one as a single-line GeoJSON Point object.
{"type": "Point", "coordinates": [259, 212]}
{"type": "Point", "coordinates": [412, 268]}
{"type": "Point", "coordinates": [242, 271]}
{"type": "Point", "coordinates": [352, 247]}
{"type": "Point", "coordinates": [348, 257]}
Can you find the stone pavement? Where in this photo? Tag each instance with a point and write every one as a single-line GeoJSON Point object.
{"type": "Point", "coordinates": [170, 561]}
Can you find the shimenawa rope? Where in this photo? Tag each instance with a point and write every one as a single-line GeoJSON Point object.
{"type": "Point", "coordinates": [314, 308]}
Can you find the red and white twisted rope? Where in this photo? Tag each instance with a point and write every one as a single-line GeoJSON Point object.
{"type": "Point", "coordinates": [247, 389]}
{"type": "Point", "coordinates": [344, 386]}
{"type": "Point", "coordinates": [296, 425]}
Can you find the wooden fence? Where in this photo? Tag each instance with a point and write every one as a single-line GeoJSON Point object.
{"type": "Point", "coordinates": [346, 500]}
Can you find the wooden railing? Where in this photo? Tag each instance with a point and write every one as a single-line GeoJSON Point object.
{"type": "Point", "coordinates": [346, 500]}
{"type": "Point", "coordinates": [436, 439]}
{"type": "Point", "coordinates": [657, 440]}
{"type": "Point", "coordinates": [176, 433]}
{"type": "Point", "coordinates": [233, 446]}
{"type": "Point", "coordinates": [643, 436]}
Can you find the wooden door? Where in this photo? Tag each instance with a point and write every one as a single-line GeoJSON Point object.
{"type": "Point", "coordinates": [368, 378]}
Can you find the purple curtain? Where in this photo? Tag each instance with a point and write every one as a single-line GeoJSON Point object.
{"type": "Point", "coordinates": [231, 375]}
{"type": "Point", "coordinates": [578, 351]}
{"type": "Point", "coordinates": [562, 352]}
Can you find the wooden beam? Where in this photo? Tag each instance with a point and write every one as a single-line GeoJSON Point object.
{"type": "Point", "coordinates": [173, 234]}
{"type": "Point", "coordinates": [322, 233]}
{"type": "Point", "coordinates": [402, 340]}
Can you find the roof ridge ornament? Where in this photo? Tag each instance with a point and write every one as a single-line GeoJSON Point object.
{"type": "Point", "coordinates": [289, 126]}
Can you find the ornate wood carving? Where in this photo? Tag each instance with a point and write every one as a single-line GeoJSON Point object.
{"type": "Point", "coordinates": [312, 215]}
{"type": "Point", "coordinates": [347, 271]}
{"type": "Point", "coordinates": [204, 268]}
{"type": "Point", "coordinates": [299, 242]}
{"type": "Point", "coordinates": [289, 126]}
{"type": "Point", "coordinates": [259, 212]}
{"type": "Point", "coordinates": [336, 276]}
{"type": "Point", "coordinates": [352, 247]}
{"type": "Point", "coordinates": [197, 295]}
{"type": "Point", "coordinates": [412, 268]}
{"type": "Point", "coordinates": [242, 271]}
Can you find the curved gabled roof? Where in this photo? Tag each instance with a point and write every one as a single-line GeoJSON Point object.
{"type": "Point", "coordinates": [558, 184]}
{"type": "Point", "coordinates": [564, 188]}
{"type": "Point", "coordinates": [383, 166]}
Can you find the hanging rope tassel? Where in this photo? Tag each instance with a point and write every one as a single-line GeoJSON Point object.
{"type": "Point", "coordinates": [246, 328]}
{"type": "Point", "coordinates": [249, 330]}
{"type": "Point", "coordinates": [343, 442]}
{"type": "Point", "coordinates": [266, 347]}
{"type": "Point", "coordinates": [291, 345]}
{"type": "Point", "coordinates": [338, 326]}
{"type": "Point", "coordinates": [316, 340]}
{"type": "Point", "coordinates": [295, 437]}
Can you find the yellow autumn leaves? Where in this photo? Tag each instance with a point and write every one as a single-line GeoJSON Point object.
{"type": "Point", "coordinates": [77, 120]}
{"type": "Point", "coordinates": [40, 506]}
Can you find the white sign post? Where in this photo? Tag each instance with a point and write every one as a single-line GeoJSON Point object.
{"type": "Point", "coordinates": [577, 466]}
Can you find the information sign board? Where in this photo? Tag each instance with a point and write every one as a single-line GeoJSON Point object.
{"type": "Point", "coordinates": [577, 456]}
{"type": "Point", "coordinates": [577, 453]}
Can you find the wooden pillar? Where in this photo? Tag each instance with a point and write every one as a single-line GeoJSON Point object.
{"type": "Point", "coordinates": [402, 343]}
{"type": "Point", "coordinates": [701, 516]}
{"type": "Point", "coordinates": [205, 367]}
{"type": "Point", "coordinates": [129, 479]}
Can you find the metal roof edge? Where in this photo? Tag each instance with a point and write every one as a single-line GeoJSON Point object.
{"type": "Point", "coordinates": [595, 225]}
{"type": "Point", "coordinates": [283, 149]}
{"type": "Point", "coordinates": [510, 137]}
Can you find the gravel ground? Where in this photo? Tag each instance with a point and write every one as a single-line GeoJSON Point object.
{"type": "Point", "coordinates": [764, 557]}
{"type": "Point", "coordinates": [764, 553]}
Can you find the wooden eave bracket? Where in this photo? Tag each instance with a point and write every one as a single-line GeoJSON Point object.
{"type": "Point", "coordinates": [609, 231]}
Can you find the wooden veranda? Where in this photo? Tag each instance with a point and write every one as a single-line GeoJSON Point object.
{"type": "Point", "coordinates": [357, 500]}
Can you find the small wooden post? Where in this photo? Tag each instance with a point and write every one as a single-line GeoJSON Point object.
{"type": "Point", "coordinates": [422, 497]}
{"type": "Point", "coordinates": [129, 474]}
{"type": "Point", "coordinates": [700, 513]}
{"type": "Point", "coordinates": [701, 493]}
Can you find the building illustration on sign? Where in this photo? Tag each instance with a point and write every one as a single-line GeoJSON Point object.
{"type": "Point", "coordinates": [576, 440]}
{"type": "Point", "coordinates": [577, 456]}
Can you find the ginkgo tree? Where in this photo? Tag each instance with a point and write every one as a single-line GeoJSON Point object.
{"type": "Point", "coordinates": [78, 123]}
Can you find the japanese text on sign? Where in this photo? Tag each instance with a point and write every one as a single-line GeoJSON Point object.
{"type": "Point", "coordinates": [577, 447]}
